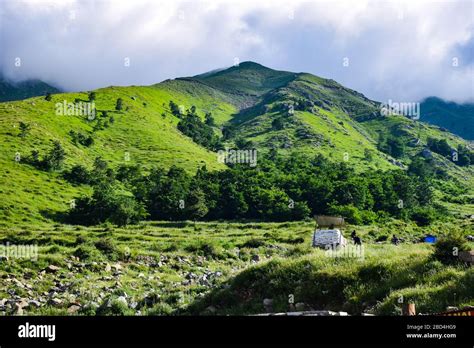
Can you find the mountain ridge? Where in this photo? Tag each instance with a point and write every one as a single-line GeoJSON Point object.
{"type": "Point", "coordinates": [291, 113]}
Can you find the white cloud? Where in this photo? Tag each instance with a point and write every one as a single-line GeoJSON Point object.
{"type": "Point", "coordinates": [399, 50]}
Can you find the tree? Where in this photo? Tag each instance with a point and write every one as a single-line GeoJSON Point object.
{"type": "Point", "coordinates": [368, 155]}
{"type": "Point", "coordinates": [119, 104]}
{"type": "Point", "coordinates": [107, 204]}
{"type": "Point", "coordinates": [174, 109]}
{"type": "Point", "coordinates": [196, 204]}
{"type": "Point", "coordinates": [447, 248]}
{"type": "Point", "coordinates": [55, 158]}
{"type": "Point", "coordinates": [209, 120]}
{"type": "Point", "coordinates": [24, 129]}
{"type": "Point", "coordinates": [92, 96]}
{"type": "Point", "coordinates": [78, 175]}
{"type": "Point", "coordinates": [192, 126]}
{"type": "Point", "coordinates": [278, 123]}
{"type": "Point", "coordinates": [48, 97]}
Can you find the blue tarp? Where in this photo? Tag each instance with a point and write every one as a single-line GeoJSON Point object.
{"type": "Point", "coordinates": [430, 239]}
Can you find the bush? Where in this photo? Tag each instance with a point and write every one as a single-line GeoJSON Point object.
{"type": "Point", "coordinates": [204, 249]}
{"type": "Point", "coordinates": [114, 307]}
{"type": "Point", "coordinates": [78, 175]}
{"type": "Point", "coordinates": [106, 246]}
{"type": "Point", "coordinates": [447, 248]}
{"type": "Point", "coordinates": [87, 252]}
{"type": "Point", "coordinates": [160, 309]}
{"type": "Point", "coordinates": [107, 204]}
{"type": "Point", "coordinates": [350, 213]}
{"type": "Point", "coordinates": [423, 216]}
{"type": "Point", "coordinates": [119, 104]}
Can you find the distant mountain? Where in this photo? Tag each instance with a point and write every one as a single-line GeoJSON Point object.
{"type": "Point", "coordinates": [26, 89]}
{"type": "Point", "coordinates": [457, 118]}
{"type": "Point", "coordinates": [252, 107]}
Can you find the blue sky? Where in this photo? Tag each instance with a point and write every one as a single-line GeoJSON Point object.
{"type": "Point", "coordinates": [397, 50]}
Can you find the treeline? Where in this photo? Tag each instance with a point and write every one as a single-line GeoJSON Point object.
{"type": "Point", "coordinates": [291, 188]}
{"type": "Point", "coordinates": [190, 124]}
{"type": "Point", "coordinates": [461, 156]}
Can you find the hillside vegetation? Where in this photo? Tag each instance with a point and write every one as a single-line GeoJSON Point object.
{"type": "Point", "coordinates": [186, 121]}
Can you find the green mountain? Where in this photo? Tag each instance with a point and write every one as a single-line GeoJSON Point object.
{"type": "Point", "coordinates": [456, 118]}
{"type": "Point", "coordinates": [25, 89]}
{"type": "Point", "coordinates": [252, 106]}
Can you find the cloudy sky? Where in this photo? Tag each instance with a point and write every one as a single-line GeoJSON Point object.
{"type": "Point", "coordinates": [398, 50]}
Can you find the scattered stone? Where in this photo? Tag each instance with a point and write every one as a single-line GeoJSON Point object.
{"type": "Point", "coordinates": [55, 301]}
{"type": "Point", "coordinates": [267, 302]}
{"type": "Point", "coordinates": [123, 300]}
{"type": "Point", "coordinates": [52, 269]}
{"type": "Point", "coordinates": [73, 309]}
{"type": "Point", "coordinates": [18, 309]}
{"type": "Point", "coordinates": [255, 258]}
{"type": "Point", "coordinates": [300, 306]}
{"type": "Point", "coordinates": [268, 305]}
{"type": "Point", "coordinates": [108, 268]}
{"type": "Point", "coordinates": [35, 303]}
{"type": "Point", "coordinates": [211, 309]}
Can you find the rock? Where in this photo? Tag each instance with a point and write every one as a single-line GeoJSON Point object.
{"type": "Point", "coordinates": [123, 300]}
{"type": "Point", "coordinates": [52, 269]}
{"type": "Point", "coordinates": [117, 266]}
{"type": "Point", "coordinates": [73, 309]}
{"type": "Point", "coordinates": [133, 305]}
{"type": "Point", "coordinates": [35, 303]}
{"type": "Point", "coordinates": [55, 301]}
{"type": "Point", "coordinates": [18, 309]}
{"type": "Point", "coordinates": [300, 306]}
{"type": "Point", "coordinates": [211, 309]}
{"type": "Point", "coordinates": [108, 268]}
{"type": "Point", "coordinates": [267, 302]}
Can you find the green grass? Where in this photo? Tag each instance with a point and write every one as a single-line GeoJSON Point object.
{"type": "Point", "coordinates": [166, 261]}
{"type": "Point", "coordinates": [27, 194]}
{"type": "Point", "coordinates": [141, 132]}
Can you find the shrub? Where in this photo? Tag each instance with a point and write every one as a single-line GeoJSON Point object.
{"type": "Point", "coordinates": [114, 307]}
{"type": "Point", "coordinates": [119, 104]}
{"type": "Point", "coordinates": [78, 175]}
{"type": "Point", "coordinates": [423, 216]}
{"type": "Point", "coordinates": [87, 252]}
{"type": "Point", "coordinates": [447, 248]}
{"type": "Point", "coordinates": [350, 213]}
{"type": "Point", "coordinates": [106, 246]}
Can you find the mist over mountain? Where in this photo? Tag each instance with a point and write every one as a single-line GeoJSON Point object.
{"type": "Point", "coordinates": [22, 90]}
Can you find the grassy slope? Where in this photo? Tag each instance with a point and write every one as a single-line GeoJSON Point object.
{"type": "Point", "coordinates": [331, 129]}
{"type": "Point", "coordinates": [169, 265]}
{"type": "Point", "coordinates": [150, 140]}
